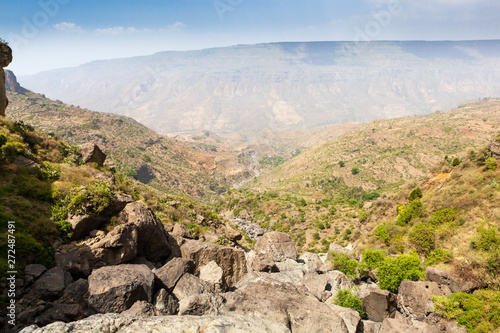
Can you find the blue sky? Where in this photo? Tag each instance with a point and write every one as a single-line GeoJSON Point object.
{"type": "Point", "coordinates": [47, 34]}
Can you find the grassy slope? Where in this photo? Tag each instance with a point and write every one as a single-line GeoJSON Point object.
{"type": "Point", "coordinates": [177, 167]}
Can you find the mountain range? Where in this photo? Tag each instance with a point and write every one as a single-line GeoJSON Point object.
{"type": "Point", "coordinates": [280, 85]}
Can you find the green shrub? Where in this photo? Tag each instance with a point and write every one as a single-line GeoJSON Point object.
{"type": "Point", "coordinates": [456, 161]}
{"type": "Point", "coordinates": [316, 236]}
{"type": "Point", "coordinates": [415, 194]}
{"type": "Point", "coordinates": [491, 163]}
{"type": "Point", "coordinates": [320, 225]}
{"type": "Point", "coordinates": [341, 164]}
{"type": "Point", "coordinates": [10, 150]}
{"type": "Point", "coordinates": [478, 312]}
{"type": "Point", "coordinates": [343, 262]}
{"type": "Point", "coordinates": [373, 258]}
{"type": "Point", "coordinates": [486, 239]}
{"type": "Point", "coordinates": [345, 298]}
{"type": "Point", "coordinates": [382, 234]}
{"type": "Point", "coordinates": [422, 237]}
{"type": "Point", "coordinates": [407, 213]}
{"type": "Point", "coordinates": [438, 256]}
{"type": "Point", "coordinates": [393, 271]}
{"type": "Point", "coordinates": [443, 216]}
{"type": "Point", "coordinates": [355, 170]}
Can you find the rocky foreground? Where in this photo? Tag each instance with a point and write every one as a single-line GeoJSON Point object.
{"type": "Point", "coordinates": [144, 277]}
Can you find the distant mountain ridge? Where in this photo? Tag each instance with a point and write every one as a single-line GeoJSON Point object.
{"type": "Point", "coordinates": [280, 85]}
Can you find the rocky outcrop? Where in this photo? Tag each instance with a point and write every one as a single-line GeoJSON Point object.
{"type": "Point", "coordinates": [117, 288]}
{"type": "Point", "coordinates": [231, 323]}
{"type": "Point", "coordinates": [379, 304]}
{"type": "Point", "coordinates": [494, 148]}
{"type": "Point", "coordinates": [231, 260]}
{"type": "Point", "coordinates": [5, 60]}
{"type": "Point", "coordinates": [189, 285]}
{"type": "Point", "coordinates": [91, 153]}
{"type": "Point", "coordinates": [415, 298]}
{"type": "Point", "coordinates": [169, 274]}
{"type": "Point", "coordinates": [276, 246]}
{"type": "Point", "coordinates": [11, 83]}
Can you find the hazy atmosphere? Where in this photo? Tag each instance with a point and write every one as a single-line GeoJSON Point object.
{"type": "Point", "coordinates": [48, 34]}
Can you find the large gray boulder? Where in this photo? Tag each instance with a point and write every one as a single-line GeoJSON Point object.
{"type": "Point", "coordinates": [112, 322]}
{"type": "Point", "coordinates": [323, 286]}
{"type": "Point", "coordinates": [276, 246]}
{"type": "Point", "coordinates": [189, 285]}
{"type": "Point", "coordinates": [172, 271]}
{"type": "Point", "coordinates": [379, 304]}
{"type": "Point", "coordinates": [351, 317]}
{"type": "Point", "coordinates": [91, 153]}
{"type": "Point", "coordinates": [455, 282]}
{"type": "Point", "coordinates": [117, 288]}
{"type": "Point", "coordinates": [415, 298]}
{"type": "Point", "coordinates": [51, 284]}
{"type": "Point", "coordinates": [231, 260]}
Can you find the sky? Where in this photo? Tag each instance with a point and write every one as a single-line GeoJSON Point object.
{"type": "Point", "coordinates": [49, 34]}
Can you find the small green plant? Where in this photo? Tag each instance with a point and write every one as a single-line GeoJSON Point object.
{"type": "Point", "coordinates": [342, 262]}
{"type": "Point", "coordinates": [438, 256]}
{"type": "Point", "coordinates": [345, 298]}
{"type": "Point", "coordinates": [407, 213]}
{"type": "Point", "coordinates": [415, 194]}
{"type": "Point", "coordinates": [491, 164]}
{"type": "Point", "coordinates": [341, 164]}
{"type": "Point", "coordinates": [443, 216]}
{"type": "Point", "coordinates": [373, 258]}
{"type": "Point", "coordinates": [355, 170]}
{"type": "Point", "coordinates": [382, 234]}
{"type": "Point", "coordinates": [486, 239]}
{"type": "Point", "coordinates": [422, 237]}
{"type": "Point", "coordinates": [393, 271]}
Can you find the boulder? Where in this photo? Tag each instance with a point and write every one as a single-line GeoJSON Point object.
{"type": "Point", "coordinates": [232, 234]}
{"type": "Point", "coordinates": [401, 325]}
{"type": "Point", "coordinates": [368, 326]}
{"type": "Point", "coordinates": [259, 263]}
{"type": "Point", "coordinates": [453, 281]}
{"type": "Point", "coordinates": [165, 303]}
{"type": "Point", "coordinates": [231, 260]}
{"type": "Point", "coordinates": [332, 282]}
{"type": "Point", "coordinates": [309, 256]}
{"type": "Point", "coordinates": [83, 224]}
{"type": "Point", "coordinates": [415, 298]}
{"type": "Point", "coordinates": [337, 248]}
{"type": "Point", "coordinates": [112, 322]}
{"type": "Point", "coordinates": [152, 240]}
{"type": "Point", "coordinates": [51, 284]}
{"type": "Point", "coordinates": [32, 272]}
{"type": "Point", "coordinates": [181, 230]}
{"type": "Point", "coordinates": [189, 285]}
{"type": "Point", "coordinates": [289, 265]}
{"type": "Point", "coordinates": [172, 271]}
{"type": "Point", "coordinates": [91, 153]}
{"type": "Point", "coordinates": [5, 60]}
{"type": "Point", "coordinates": [141, 309]}
{"type": "Point", "coordinates": [285, 304]}
{"type": "Point", "coordinates": [212, 274]}
{"type": "Point", "coordinates": [494, 148]}
{"type": "Point", "coordinates": [276, 246]}
{"type": "Point", "coordinates": [351, 317]}
{"type": "Point", "coordinates": [202, 304]}
{"type": "Point", "coordinates": [379, 304]}
{"type": "Point", "coordinates": [117, 288]}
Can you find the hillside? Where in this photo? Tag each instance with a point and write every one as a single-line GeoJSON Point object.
{"type": "Point", "coordinates": [135, 150]}
{"type": "Point", "coordinates": [280, 85]}
{"type": "Point", "coordinates": [387, 153]}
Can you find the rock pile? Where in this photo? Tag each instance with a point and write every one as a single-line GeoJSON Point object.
{"type": "Point", "coordinates": [139, 277]}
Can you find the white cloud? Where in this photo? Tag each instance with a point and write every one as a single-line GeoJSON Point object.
{"type": "Point", "coordinates": [177, 26]}
{"type": "Point", "coordinates": [67, 26]}
{"type": "Point", "coordinates": [120, 30]}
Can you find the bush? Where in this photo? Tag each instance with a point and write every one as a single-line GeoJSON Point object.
{"type": "Point", "coordinates": [423, 238]}
{"type": "Point", "coordinates": [479, 312]}
{"type": "Point", "coordinates": [486, 239]}
{"type": "Point", "coordinates": [407, 213]}
{"type": "Point", "coordinates": [456, 161]}
{"type": "Point", "coordinates": [443, 216]}
{"type": "Point", "coordinates": [393, 271]}
{"type": "Point", "coordinates": [373, 258]}
{"type": "Point", "coordinates": [415, 194]}
{"type": "Point", "coordinates": [438, 256]}
{"type": "Point", "coordinates": [491, 163]}
{"type": "Point", "coordinates": [382, 234]}
{"type": "Point", "coordinates": [355, 170]}
{"type": "Point", "coordinates": [342, 262]}
{"type": "Point", "coordinates": [346, 299]}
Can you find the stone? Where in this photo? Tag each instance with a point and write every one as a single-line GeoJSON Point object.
{"type": "Point", "coordinates": [51, 284]}
{"type": "Point", "coordinates": [259, 263]}
{"type": "Point", "coordinates": [91, 153]}
{"type": "Point", "coordinates": [337, 248]}
{"type": "Point", "coordinates": [285, 304]}
{"type": "Point", "coordinates": [202, 304]}
{"type": "Point", "coordinates": [107, 177]}
{"type": "Point", "coordinates": [5, 60]}
{"type": "Point", "coordinates": [181, 230]}
{"type": "Point", "coordinates": [117, 288]}
{"type": "Point", "coordinates": [325, 267]}
{"type": "Point", "coordinates": [165, 303]}
{"type": "Point", "coordinates": [142, 261]}
{"type": "Point", "coordinates": [24, 162]}
{"type": "Point", "coordinates": [172, 271]}
{"type": "Point", "coordinates": [453, 281]}
{"type": "Point", "coordinates": [379, 305]}
{"type": "Point", "coordinates": [152, 240]}
{"type": "Point", "coordinates": [368, 326]}
{"type": "Point", "coordinates": [212, 274]}
{"type": "Point", "coordinates": [189, 285]}
{"type": "Point", "coordinates": [494, 148]}
{"type": "Point", "coordinates": [351, 317]}
{"type": "Point", "coordinates": [82, 225]}
{"type": "Point", "coordinates": [141, 309]}
{"type": "Point", "coordinates": [333, 281]}
{"type": "Point", "coordinates": [313, 267]}
{"type": "Point", "coordinates": [33, 272]}
{"type": "Point", "coordinates": [231, 260]}
{"type": "Point", "coordinates": [289, 265]}
{"type": "Point", "coordinates": [276, 246]}
{"type": "Point", "coordinates": [112, 322]}
{"type": "Point", "coordinates": [232, 234]}
{"type": "Point", "coordinates": [309, 256]}
{"type": "Point", "coordinates": [415, 298]}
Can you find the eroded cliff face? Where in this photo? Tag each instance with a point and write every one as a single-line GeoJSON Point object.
{"type": "Point", "coordinates": [5, 60]}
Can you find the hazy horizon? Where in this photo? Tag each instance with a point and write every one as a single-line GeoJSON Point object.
{"type": "Point", "coordinates": [49, 34]}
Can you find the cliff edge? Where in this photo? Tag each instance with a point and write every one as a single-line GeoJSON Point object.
{"type": "Point", "coordinates": [5, 60]}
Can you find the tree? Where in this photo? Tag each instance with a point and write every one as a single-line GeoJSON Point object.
{"type": "Point", "coordinates": [342, 164]}
{"type": "Point", "coordinates": [456, 161]}
{"type": "Point", "coordinates": [491, 163]}
{"type": "Point", "coordinates": [355, 170]}
{"type": "Point", "coordinates": [416, 193]}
